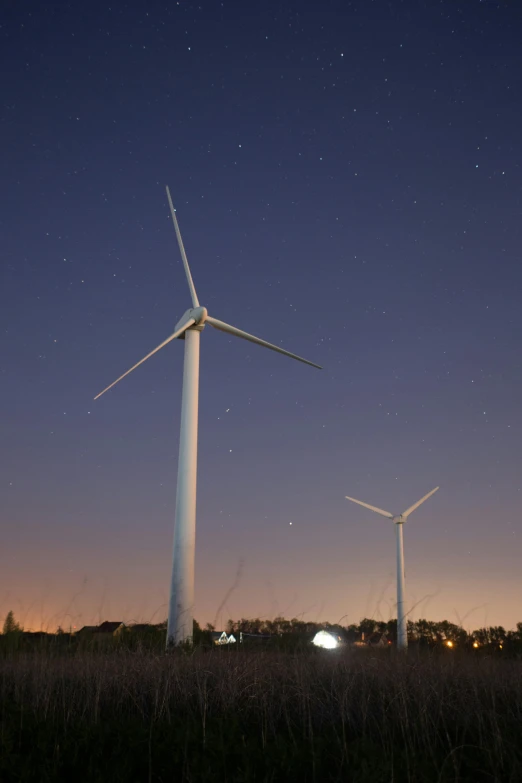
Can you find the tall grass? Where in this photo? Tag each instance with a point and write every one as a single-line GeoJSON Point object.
{"type": "Point", "coordinates": [259, 716]}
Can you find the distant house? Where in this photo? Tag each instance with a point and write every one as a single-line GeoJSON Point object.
{"type": "Point", "coordinates": [220, 637]}
{"type": "Point", "coordinates": [104, 630]}
{"type": "Point", "coordinates": [110, 628]}
{"type": "Point", "coordinates": [86, 630]}
{"type": "Point", "coordinates": [373, 640]}
{"type": "Point", "coordinates": [378, 640]}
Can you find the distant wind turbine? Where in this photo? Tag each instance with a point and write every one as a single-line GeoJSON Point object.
{"type": "Point", "coordinates": [402, 637]}
{"type": "Point", "coordinates": [189, 328]}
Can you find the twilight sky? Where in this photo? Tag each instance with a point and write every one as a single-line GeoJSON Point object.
{"type": "Point", "coordinates": [347, 177]}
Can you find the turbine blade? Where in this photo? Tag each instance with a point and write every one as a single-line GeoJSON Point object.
{"type": "Point", "coordinates": [177, 333]}
{"type": "Point", "coordinates": [223, 327]}
{"type": "Point", "coordinates": [372, 508]}
{"type": "Point", "coordinates": [418, 503]}
{"type": "Point", "coordinates": [194, 296]}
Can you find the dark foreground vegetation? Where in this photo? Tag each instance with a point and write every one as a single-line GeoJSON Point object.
{"type": "Point", "coordinates": [237, 715]}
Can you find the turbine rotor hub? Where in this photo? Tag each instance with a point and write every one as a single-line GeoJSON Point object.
{"type": "Point", "coordinates": [400, 520]}
{"type": "Point", "coordinates": [199, 314]}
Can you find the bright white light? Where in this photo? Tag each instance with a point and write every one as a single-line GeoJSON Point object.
{"type": "Point", "coordinates": [326, 640]}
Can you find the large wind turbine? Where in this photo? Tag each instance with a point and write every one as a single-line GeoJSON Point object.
{"type": "Point", "coordinates": [189, 328]}
{"type": "Point", "coordinates": [402, 637]}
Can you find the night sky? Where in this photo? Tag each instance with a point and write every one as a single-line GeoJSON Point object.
{"type": "Point", "coordinates": [347, 178]}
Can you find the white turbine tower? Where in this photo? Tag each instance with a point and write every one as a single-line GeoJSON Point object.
{"type": "Point", "coordinates": [402, 637]}
{"type": "Point", "coordinates": [189, 328]}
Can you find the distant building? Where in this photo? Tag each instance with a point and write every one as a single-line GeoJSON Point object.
{"type": "Point", "coordinates": [110, 628]}
{"type": "Point", "coordinates": [378, 640]}
{"type": "Point", "coordinates": [372, 640]}
{"type": "Point", "coordinates": [220, 637]}
{"type": "Point", "coordinates": [105, 630]}
{"type": "Point", "coordinates": [86, 630]}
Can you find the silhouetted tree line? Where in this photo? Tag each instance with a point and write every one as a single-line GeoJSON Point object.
{"type": "Point", "coordinates": [425, 633]}
{"type": "Point", "coordinates": [421, 633]}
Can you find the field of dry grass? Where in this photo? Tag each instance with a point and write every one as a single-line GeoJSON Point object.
{"type": "Point", "coordinates": [259, 716]}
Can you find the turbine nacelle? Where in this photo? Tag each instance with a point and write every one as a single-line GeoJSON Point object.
{"type": "Point", "coordinates": [197, 314]}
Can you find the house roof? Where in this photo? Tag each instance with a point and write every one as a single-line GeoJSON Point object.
{"type": "Point", "coordinates": [221, 637]}
{"type": "Point", "coordinates": [108, 627]}
{"type": "Point", "coordinates": [87, 629]}
{"type": "Point", "coordinates": [378, 639]}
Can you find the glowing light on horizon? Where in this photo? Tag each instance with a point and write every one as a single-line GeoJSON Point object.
{"type": "Point", "coordinates": [325, 640]}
